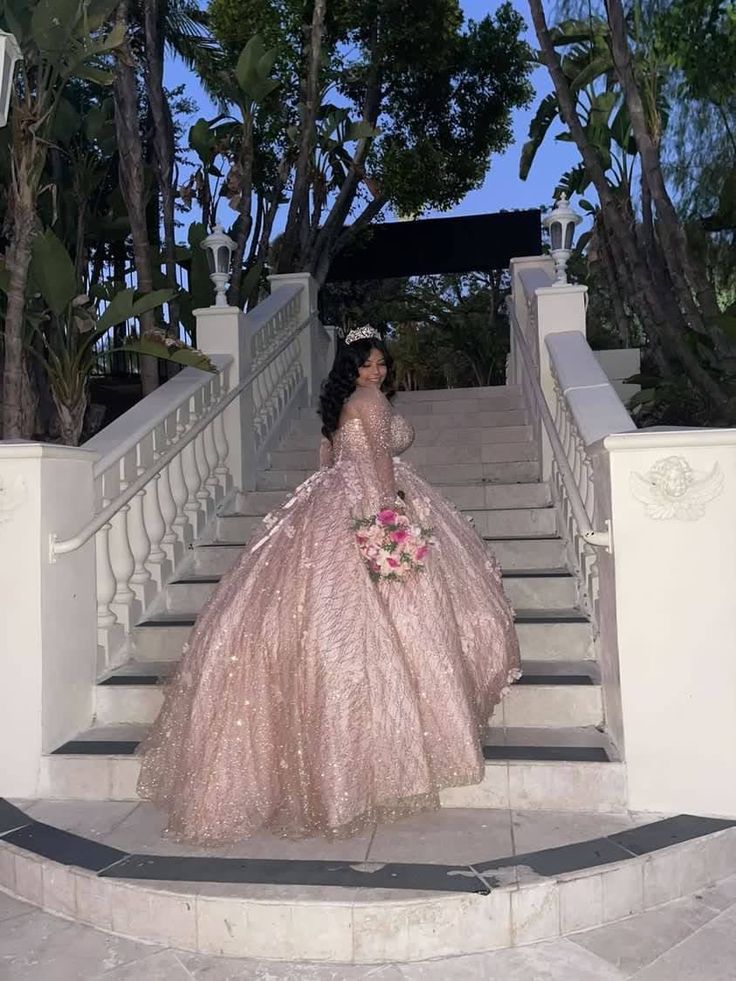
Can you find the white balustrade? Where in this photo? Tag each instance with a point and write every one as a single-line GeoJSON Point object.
{"type": "Point", "coordinates": [571, 405]}
{"type": "Point", "coordinates": [166, 466]}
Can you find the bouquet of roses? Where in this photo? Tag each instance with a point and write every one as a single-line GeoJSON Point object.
{"type": "Point", "coordinates": [391, 545]}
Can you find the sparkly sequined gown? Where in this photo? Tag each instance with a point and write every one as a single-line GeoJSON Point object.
{"type": "Point", "coordinates": [311, 700]}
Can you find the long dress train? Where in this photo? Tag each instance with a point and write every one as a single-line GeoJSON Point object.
{"type": "Point", "coordinates": [312, 700]}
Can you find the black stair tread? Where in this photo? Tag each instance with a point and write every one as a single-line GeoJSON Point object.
{"type": "Point", "coordinates": [97, 747]}
{"type": "Point", "coordinates": [556, 754]}
{"type": "Point", "coordinates": [490, 540]}
{"type": "Point", "coordinates": [567, 754]}
{"type": "Point", "coordinates": [463, 510]}
{"type": "Point", "coordinates": [535, 537]}
{"type": "Point", "coordinates": [556, 679]}
{"type": "Point", "coordinates": [522, 616]}
{"type": "Point", "coordinates": [574, 674]}
{"type": "Point", "coordinates": [561, 573]}
{"type": "Point", "coordinates": [551, 616]}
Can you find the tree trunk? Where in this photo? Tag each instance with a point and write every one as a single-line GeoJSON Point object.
{"type": "Point", "coordinates": [131, 172]}
{"type": "Point", "coordinates": [325, 242]}
{"type": "Point", "coordinates": [163, 138]}
{"type": "Point", "coordinates": [672, 333]}
{"type": "Point", "coordinates": [620, 317]}
{"type": "Point", "coordinates": [16, 422]}
{"type": "Point", "coordinates": [298, 216]}
{"type": "Point", "coordinates": [686, 275]}
{"type": "Point", "coordinates": [245, 208]}
{"type": "Point", "coordinates": [340, 238]}
{"type": "Point", "coordinates": [71, 418]}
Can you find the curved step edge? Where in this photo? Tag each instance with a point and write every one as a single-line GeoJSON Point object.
{"type": "Point", "coordinates": [364, 925]}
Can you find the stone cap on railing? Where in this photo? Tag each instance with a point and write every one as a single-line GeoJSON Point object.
{"type": "Point", "coordinates": [114, 441]}
{"type": "Point", "coordinates": [597, 409]}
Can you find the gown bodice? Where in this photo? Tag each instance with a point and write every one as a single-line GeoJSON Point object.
{"type": "Point", "coordinates": [352, 440]}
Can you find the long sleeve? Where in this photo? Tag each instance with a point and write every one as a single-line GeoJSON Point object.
{"type": "Point", "coordinates": [371, 407]}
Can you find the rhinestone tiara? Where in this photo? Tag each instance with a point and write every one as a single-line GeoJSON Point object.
{"type": "Point", "coordinates": [362, 333]}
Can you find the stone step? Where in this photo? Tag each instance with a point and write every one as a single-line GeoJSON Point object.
{"type": "Point", "coordinates": [521, 471]}
{"type": "Point", "coordinates": [455, 394]}
{"type": "Point", "coordinates": [465, 407]}
{"type": "Point", "coordinates": [554, 590]}
{"type": "Point", "coordinates": [525, 554]}
{"type": "Point", "coordinates": [457, 436]}
{"type": "Point", "coordinates": [542, 769]}
{"type": "Point", "coordinates": [558, 635]}
{"type": "Point", "coordinates": [309, 424]}
{"type": "Point", "coordinates": [508, 523]}
{"type": "Point", "coordinates": [473, 497]}
{"type": "Point", "coordinates": [452, 401]}
{"type": "Point", "coordinates": [422, 456]}
{"type": "Point", "coordinates": [433, 886]}
{"type": "Point", "coordinates": [569, 698]}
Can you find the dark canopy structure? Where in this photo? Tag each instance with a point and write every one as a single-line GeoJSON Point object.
{"type": "Point", "coordinates": [479, 243]}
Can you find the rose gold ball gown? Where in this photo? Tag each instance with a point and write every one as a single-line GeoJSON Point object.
{"type": "Point", "coordinates": [311, 700]}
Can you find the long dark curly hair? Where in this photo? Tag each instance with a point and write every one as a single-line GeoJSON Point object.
{"type": "Point", "coordinates": [341, 381]}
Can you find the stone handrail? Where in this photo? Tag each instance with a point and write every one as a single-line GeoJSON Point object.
{"type": "Point", "coordinates": [569, 481]}
{"type": "Point", "coordinates": [167, 466]}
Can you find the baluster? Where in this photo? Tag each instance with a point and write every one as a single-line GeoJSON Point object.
{"type": "Point", "coordinates": [570, 434]}
{"type": "Point", "coordinates": [578, 457]}
{"type": "Point", "coordinates": [210, 454]}
{"type": "Point", "coordinates": [590, 488]}
{"type": "Point", "coordinates": [122, 562]}
{"type": "Point", "coordinates": [221, 470]}
{"type": "Point", "coordinates": [179, 490]}
{"type": "Point", "coordinates": [167, 505]}
{"type": "Point", "coordinates": [140, 545]}
{"type": "Point", "coordinates": [192, 481]}
{"type": "Point", "coordinates": [203, 494]}
{"type": "Point", "coordinates": [155, 525]}
{"type": "Point", "coordinates": [106, 585]}
{"type": "Point", "coordinates": [166, 502]}
{"type": "Point", "coordinates": [583, 480]}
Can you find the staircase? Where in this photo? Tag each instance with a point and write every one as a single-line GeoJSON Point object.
{"type": "Point", "coordinates": [546, 745]}
{"type": "Point", "coordinates": [115, 552]}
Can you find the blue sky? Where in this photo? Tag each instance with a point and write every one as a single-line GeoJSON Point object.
{"type": "Point", "coordinates": [502, 188]}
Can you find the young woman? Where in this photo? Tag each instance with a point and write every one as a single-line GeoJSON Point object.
{"type": "Point", "coordinates": [313, 697]}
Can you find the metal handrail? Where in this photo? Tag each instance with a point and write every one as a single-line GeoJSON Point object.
{"type": "Point", "coordinates": [598, 539]}
{"type": "Point", "coordinates": [57, 547]}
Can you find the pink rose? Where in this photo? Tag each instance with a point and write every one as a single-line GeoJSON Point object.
{"type": "Point", "coordinates": [393, 563]}
{"type": "Point", "coordinates": [421, 553]}
{"type": "Point", "coordinates": [399, 536]}
{"type": "Point", "coordinates": [387, 517]}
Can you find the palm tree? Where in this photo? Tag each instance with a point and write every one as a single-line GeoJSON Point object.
{"type": "Point", "coordinates": [150, 27]}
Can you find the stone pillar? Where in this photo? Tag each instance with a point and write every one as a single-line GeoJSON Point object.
{"type": "Point", "coordinates": [544, 307]}
{"type": "Point", "coordinates": [48, 609]}
{"type": "Point", "coordinates": [224, 330]}
{"type": "Point", "coordinates": [674, 554]}
{"type": "Point", "coordinates": [312, 355]}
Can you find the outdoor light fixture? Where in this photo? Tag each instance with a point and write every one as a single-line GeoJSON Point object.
{"type": "Point", "coordinates": [560, 223]}
{"type": "Point", "coordinates": [9, 57]}
{"type": "Point", "coordinates": [219, 248]}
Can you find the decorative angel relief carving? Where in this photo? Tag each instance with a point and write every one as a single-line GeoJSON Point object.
{"type": "Point", "coordinates": [672, 489]}
{"type": "Point", "coordinates": [12, 494]}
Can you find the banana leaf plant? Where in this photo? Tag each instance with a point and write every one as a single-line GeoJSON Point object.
{"type": "Point", "coordinates": [73, 324]}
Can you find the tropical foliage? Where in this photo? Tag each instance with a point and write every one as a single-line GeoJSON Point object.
{"type": "Point", "coordinates": [445, 331]}
{"type": "Point", "coordinates": [626, 79]}
{"type": "Point", "coordinates": [327, 115]}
